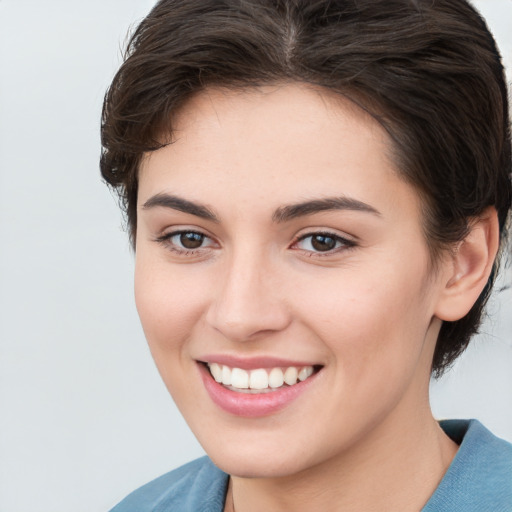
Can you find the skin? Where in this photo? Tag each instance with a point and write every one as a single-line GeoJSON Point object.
{"type": "Point", "coordinates": [362, 435]}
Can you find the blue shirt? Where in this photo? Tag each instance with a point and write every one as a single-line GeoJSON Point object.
{"type": "Point", "coordinates": [478, 480]}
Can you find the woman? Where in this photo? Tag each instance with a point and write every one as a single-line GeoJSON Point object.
{"type": "Point", "coordinates": [317, 192]}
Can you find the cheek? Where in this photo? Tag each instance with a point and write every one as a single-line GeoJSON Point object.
{"type": "Point", "coordinates": [170, 308]}
{"type": "Point", "coordinates": [373, 324]}
{"type": "Point", "coordinates": [169, 303]}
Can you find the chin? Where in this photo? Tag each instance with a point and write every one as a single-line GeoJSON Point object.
{"type": "Point", "coordinates": [259, 467]}
{"type": "Point", "coordinates": [256, 457]}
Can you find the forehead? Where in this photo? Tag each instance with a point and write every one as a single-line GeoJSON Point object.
{"type": "Point", "coordinates": [283, 143]}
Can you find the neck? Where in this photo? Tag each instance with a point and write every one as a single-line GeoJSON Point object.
{"type": "Point", "coordinates": [396, 467]}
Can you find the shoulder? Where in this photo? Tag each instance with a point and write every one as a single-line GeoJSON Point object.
{"type": "Point", "coordinates": [480, 476]}
{"type": "Point", "coordinates": [198, 485]}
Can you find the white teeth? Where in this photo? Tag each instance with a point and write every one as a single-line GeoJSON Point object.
{"type": "Point", "coordinates": [290, 375]}
{"type": "Point", "coordinates": [305, 372]}
{"type": "Point", "coordinates": [275, 378]}
{"type": "Point", "coordinates": [239, 378]}
{"type": "Point", "coordinates": [259, 379]}
{"type": "Point", "coordinates": [216, 371]}
{"type": "Point", "coordinates": [226, 375]}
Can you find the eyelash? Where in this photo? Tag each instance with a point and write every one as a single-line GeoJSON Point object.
{"type": "Point", "coordinates": [166, 241]}
{"type": "Point", "coordinates": [344, 243]}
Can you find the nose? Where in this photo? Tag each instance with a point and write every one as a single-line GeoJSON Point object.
{"type": "Point", "coordinates": [248, 301]}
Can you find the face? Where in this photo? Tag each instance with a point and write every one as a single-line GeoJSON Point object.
{"type": "Point", "coordinates": [275, 243]}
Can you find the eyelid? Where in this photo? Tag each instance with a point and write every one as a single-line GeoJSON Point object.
{"type": "Point", "coordinates": [177, 229]}
{"type": "Point", "coordinates": [334, 233]}
{"type": "Point", "coordinates": [346, 241]}
{"type": "Point", "coordinates": [166, 240]}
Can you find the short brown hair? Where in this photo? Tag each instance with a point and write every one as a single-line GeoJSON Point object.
{"type": "Point", "coordinates": [427, 70]}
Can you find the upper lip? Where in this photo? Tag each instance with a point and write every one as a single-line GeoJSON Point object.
{"type": "Point", "coordinates": [252, 363]}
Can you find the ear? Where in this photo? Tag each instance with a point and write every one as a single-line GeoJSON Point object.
{"type": "Point", "coordinates": [468, 269]}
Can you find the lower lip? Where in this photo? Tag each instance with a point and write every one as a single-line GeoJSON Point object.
{"type": "Point", "coordinates": [251, 405]}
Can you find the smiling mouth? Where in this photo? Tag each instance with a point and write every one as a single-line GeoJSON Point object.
{"type": "Point", "coordinates": [260, 380]}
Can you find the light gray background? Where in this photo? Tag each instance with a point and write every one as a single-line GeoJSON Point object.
{"type": "Point", "coordinates": [84, 418]}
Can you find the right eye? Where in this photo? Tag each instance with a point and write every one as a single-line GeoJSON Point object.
{"type": "Point", "coordinates": [186, 242]}
{"type": "Point", "coordinates": [189, 240]}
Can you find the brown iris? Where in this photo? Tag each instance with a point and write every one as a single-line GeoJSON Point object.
{"type": "Point", "coordinates": [323, 242]}
{"type": "Point", "coordinates": [190, 240]}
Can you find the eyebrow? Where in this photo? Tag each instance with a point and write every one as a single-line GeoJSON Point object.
{"type": "Point", "coordinates": [286, 213]}
{"type": "Point", "coordinates": [282, 214]}
{"type": "Point", "coordinates": [180, 204]}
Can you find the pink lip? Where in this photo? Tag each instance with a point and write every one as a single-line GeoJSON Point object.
{"type": "Point", "coordinates": [253, 363]}
{"type": "Point", "coordinates": [252, 405]}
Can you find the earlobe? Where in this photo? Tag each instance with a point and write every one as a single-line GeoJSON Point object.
{"type": "Point", "coordinates": [471, 265]}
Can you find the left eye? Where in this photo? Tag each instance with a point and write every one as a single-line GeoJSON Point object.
{"type": "Point", "coordinates": [322, 242]}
